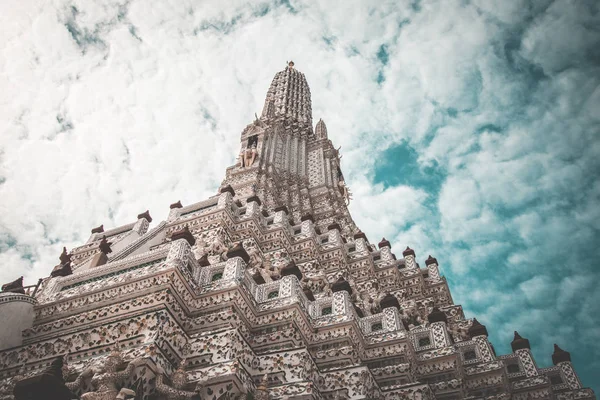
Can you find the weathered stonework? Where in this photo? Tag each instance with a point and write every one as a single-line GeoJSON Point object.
{"type": "Point", "coordinates": [267, 290]}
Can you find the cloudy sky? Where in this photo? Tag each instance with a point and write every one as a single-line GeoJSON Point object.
{"type": "Point", "coordinates": [470, 131]}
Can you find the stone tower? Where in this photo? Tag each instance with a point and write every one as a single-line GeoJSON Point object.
{"type": "Point", "coordinates": [267, 290]}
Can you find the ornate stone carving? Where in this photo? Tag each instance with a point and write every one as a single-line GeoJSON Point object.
{"type": "Point", "coordinates": [269, 290]}
{"type": "Point", "coordinates": [106, 376]}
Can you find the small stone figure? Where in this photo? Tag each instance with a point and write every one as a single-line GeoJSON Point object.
{"type": "Point", "coordinates": [64, 256]}
{"type": "Point", "coordinates": [201, 249]}
{"type": "Point", "coordinates": [369, 302]}
{"type": "Point", "coordinates": [242, 158]}
{"type": "Point", "coordinates": [458, 333]}
{"type": "Point", "coordinates": [256, 260]}
{"type": "Point", "coordinates": [250, 155]}
{"type": "Point", "coordinates": [64, 268]}
{"type": "Point", "coordinates": [262, 390]}
{"type": "Point", "coordinates": [316, 282]}
{"type": "Point", "coordinates": [345, 191]}
{"type": "Point", "coordinates": [106, 377]}
{"type": "Point", "coordinates": [104, 246]}
{"type": "Point", "coordinates": [179, 380]}
{"type": "Point", "coordinates": [217, 247]}
{"type": "Point", "coordinates": [411, 318]}
{"type": "Point", "coordinates": [274, 270]}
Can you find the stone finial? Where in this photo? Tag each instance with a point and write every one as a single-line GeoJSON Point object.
{"type": "Point", "coordinates": [341, 284]}
{"type": "Point", "coordinates": [335, 226]}
{"type": "Point", "coordinates": [360, 235]}
{"type": "Point", "coordinates": [64, 268]}
{"type": "Point", "coordinates": [560, 355]}
{"type": "Point", "coordinates": [145, 214]}
{"type": "Point", "coordinates": [307, 217]}
{"type": "Point", "coordinates": [291, 269]}
{"type": "Point", "coordinates": [519, 343]}
{"type": "Point", "coordinates": [64, 257]}
{"type": "Point", "coordinates": [389, 300]}
{"type": "Point", "coordinates": [238, 251]}
{"type": "Point", "coordinates": [184, 233]}
{"type": "Point", "coordinates": [15, 286]}
{"type": "Point", "coordinates": [384, 243]}
{"type": "Point", "coordinates": [105, 246]}
{"type": "Point", "coordinates": [430, 260]}
{"type": "Point", "coordinates": [61, 270]}
{"type": "Point", "coordinates": [408, 252]}
{"type": "Point", "coordinates": [226, 189]}
{"type": "Point", "coordinates": [255, 199]}
{"type": "Point", "coordinates": [176, 205]}
{"type": "Point", "coordinates": [282, 208]}
{"type": "Point", "coordinates": [98, 229]}
{"type": "Point", "coordinates": [437, 315]}
{"type": "Point", "coordinates": [477, 329]}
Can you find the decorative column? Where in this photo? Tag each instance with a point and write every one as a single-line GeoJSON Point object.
{"type": "Point", "coordinates": [253, 204]}
{"type": "Point", "coordinates": [409, 258]}
{"type": "Point", "coordinates": [522, 349]}
{"type": "Point", "coordinates": [307, 226]}
{"type": "Point", "coordinates": [226, 197]}
{"type": "Point", "coordinates": [360, 241]}
{"type": "Point", "coordinates": [391, 319]}
{"type": "Point", "coordinates": [385, 250]}
{"type": "Point", "coordinates": [262, 390]}
{"type": "Point", "coordinates": [175, 210]}
{"type": "Point", "coordinates": [437, 320]}
{"type": "Point", "coordinates": [340, 303]}
{"type": "Point", "coordinates": [333, 234]}
{"type": "Point", "coordinates": [143, 222]}
{"type": "Point", "coordinates": [281, 216]}
{"type": "Point", "coordinates": [432, 269]}
{"type": "Point", "coordinates": [479, 334]}
{"type": "Point", "coordinates": [562, 359]}
{"type": "Point", "coordinates": [180, 249]}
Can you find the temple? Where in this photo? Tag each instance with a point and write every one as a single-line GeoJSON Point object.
{"type": "Point", "coordinates": [267, 290]}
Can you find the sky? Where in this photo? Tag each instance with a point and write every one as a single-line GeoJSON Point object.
{"type": "Point", "coordinates": [469, 131]}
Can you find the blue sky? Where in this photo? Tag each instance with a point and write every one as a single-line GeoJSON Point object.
{"type": "Point", "coordinates": [469, 131]}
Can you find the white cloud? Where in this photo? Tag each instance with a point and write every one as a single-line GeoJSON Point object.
{"type": "Point", "coordinates": [109, 109]}
{"type": "Point", "coordinates": [401, 206]}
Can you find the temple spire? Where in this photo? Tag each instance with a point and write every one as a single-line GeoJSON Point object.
{"type": "Point", "coordinates": [289, 97]}
{"type": "Point", "coordinates": [321, 130]}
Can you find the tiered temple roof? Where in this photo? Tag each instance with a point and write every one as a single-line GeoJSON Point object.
{"type": "Point", "coordinates": [267, 290]}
